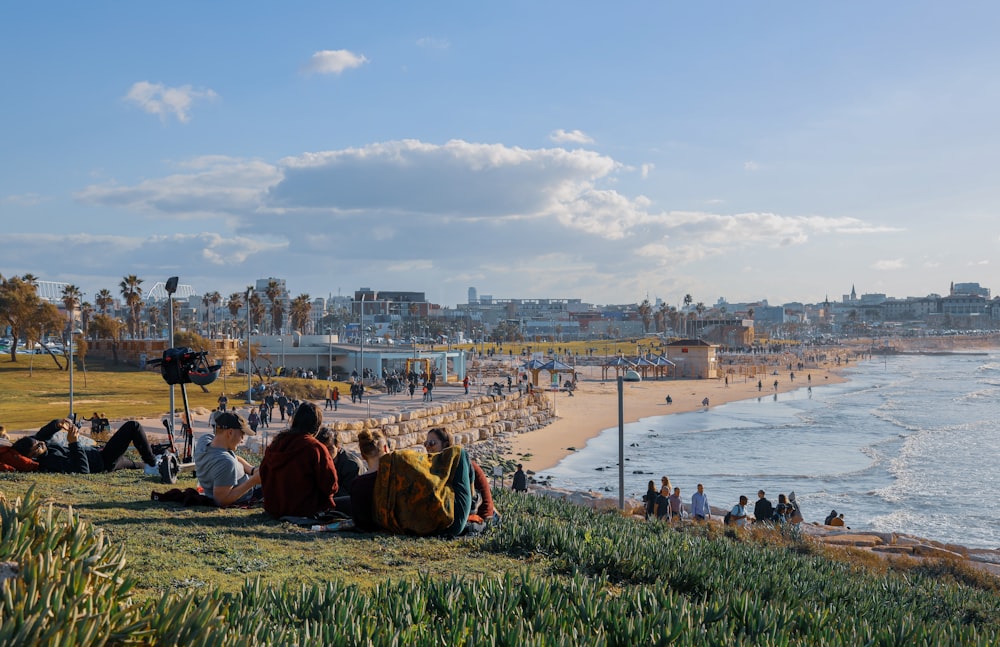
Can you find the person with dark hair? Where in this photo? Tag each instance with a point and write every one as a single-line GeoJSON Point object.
{"type": "Point", "coordinates": [223, 475]}
{"type": "Point", "coordinates": [297, 473]}
{"type": "Point", "coordinates": [438, 439]}
{"type": "Point", "coordinates": [763, 511]}
{"type": "Point", "coordinates": [348, 464]}
{"type": "Point", "coordinates": [520, 481]}
{"type": "Point", "coordinates": [72, 458]}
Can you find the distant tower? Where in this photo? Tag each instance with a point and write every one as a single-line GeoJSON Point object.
{"type": "Point", "coordinates": [854, 295]}
{"type": "Point", "coordinates": [473, 296]}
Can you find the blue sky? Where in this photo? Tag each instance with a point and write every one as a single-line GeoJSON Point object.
{"type": "Point", "coordinates": [603, 151]}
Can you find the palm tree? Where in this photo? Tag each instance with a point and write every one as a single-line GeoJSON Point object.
{"type": "Point", "coordinates": [214, 298]}
{"type": "Point", "coordinates": [86, 310]}
{"type": "Point", "coordinates": [153, 314]}
{"type": "Point", "coordinates": [257, 310]}
{"type": "Point", "coordinates": [233, 304]}
{"type": "Point", "coordinates": [299, 312]}
{"type": "Point", "coordinates": [688, 300]}
{"type": "Point", "coordinates": [133, 300]}
{"type": "Point", "coordinates": [104, 300]}
{"type": "Point", "coordinates": [71, 300]}
{"type": "Point", "coordinates": [273, 291]}
{"type": "Point", "coordinates": [645, 313]}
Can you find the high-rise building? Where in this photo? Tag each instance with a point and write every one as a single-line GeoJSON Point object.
{"type": "Point", "coordinates": [473, 296]}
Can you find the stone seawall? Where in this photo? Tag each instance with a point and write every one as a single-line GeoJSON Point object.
{"type": "Point", "coordinates": [469, 421]}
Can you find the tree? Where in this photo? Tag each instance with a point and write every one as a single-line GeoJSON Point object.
{"type": "Point", "coordinates": [132, 294]}
{"type": "Point", "coordinates": [273, 291]}
{"type": "Point", "coordinates": [104, 300]}
{"type": "Point", "coordinates": [71, 300]}
{"type": "Point", "coordinates": [86, 312]}
{"type": "Point", "coordinates": [299, 312]}
{"type": "Point", "coordinates": [233, 304]}
{"type": "Point", "coordinates": [19, 305]}
{"type": "Point", "coordinates": [645, 314]}
{"type": "Point", "coordinates": [107, 327]}
{"type": "Point", "coordinates": [688, 300]}
{"type": "Point", "coordinates": [257, 310]}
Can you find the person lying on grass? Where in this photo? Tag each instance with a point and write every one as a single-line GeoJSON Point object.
{"type": "Point", "coordinates": [224, 476]}
{"type": "Point", "coordinates": [40, 453]}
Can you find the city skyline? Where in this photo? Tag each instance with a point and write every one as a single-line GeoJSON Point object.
{"type": "Point", "coordinates": [569, 150]}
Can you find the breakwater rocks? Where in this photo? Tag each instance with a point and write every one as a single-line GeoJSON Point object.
{"type": "Point", "coordinates": [476, 419]}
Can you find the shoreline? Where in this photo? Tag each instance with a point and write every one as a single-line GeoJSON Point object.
{"type": "Point", "coordinates": [594, 407]}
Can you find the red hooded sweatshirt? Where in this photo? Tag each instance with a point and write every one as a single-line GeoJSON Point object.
{"type": "Point", "coordinates": [297, 476]}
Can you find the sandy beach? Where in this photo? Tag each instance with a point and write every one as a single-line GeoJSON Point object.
{"type": "Point", "coordinates": [594, 407]}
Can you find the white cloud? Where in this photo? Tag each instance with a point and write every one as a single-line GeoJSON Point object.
{"type": "Point", "coordinates": [433, 43]}
{"type": "Point", "coordinates": [570, 137]}
{"type": "Point", "coordinates": [333, 61]}
{"type": "Point", "coordinates": [447, 211]}
{"type": "Point", "coordinates": [751, 166]}
{"type": "Point", "coordinates": [889, 264]}
{"type": "Point", "coordinates": [163, 101]}
{"type": "Point", "coordinates": [24, 199]}
{"type": "Point", "coordinates": [645, 170]}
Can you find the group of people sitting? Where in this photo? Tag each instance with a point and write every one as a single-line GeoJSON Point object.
{"type": "Point", "coordinates": [787, 510]}
{"type": "Point", "coordinates": [306, 474]}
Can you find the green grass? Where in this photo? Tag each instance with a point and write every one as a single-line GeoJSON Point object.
{"type": "Point", "coordinates": [34, 391]}
{"type": "Point", "coordinates": [128, 569]}
{"type": "Point", "coordinates": [551, 574]}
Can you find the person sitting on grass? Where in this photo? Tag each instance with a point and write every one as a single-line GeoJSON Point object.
{"type": "Point", "coordinates": [297, 475]}
{"type": "Point", "coordinates": [71, 457]}
{"type": "Point", "coordinates": [224, 476]}
{"type": "Point", "coordinates": [438, 439]}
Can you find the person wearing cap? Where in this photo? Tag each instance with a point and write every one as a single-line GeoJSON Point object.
{"type": "Point", "coordinates": [297, 474]}
{"type": "Point", "coordinates": [223, 475]}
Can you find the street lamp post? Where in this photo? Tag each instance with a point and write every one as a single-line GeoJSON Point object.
{"type": "Point", "coordinates": [249, 363]}
{"type": "Point", "coordinates": [171, 287]}
{"type": "Point", "coordinates": [72, 417]}
{"type": "Point", "coordinates": [282, 340]}
{"type": "Point", "coordinates": [329, 342]}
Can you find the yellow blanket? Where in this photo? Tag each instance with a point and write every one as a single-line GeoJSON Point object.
{"type": "Point", "coordinates": [423, 494]}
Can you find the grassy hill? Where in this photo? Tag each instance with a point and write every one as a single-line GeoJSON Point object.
{"type": "Point", "coordinates": [130, 569]}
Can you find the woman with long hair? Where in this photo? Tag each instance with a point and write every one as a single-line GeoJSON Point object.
{"type": "Point", "coordinates": [297, 473]}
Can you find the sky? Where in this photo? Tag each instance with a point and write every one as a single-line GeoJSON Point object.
{"type": "Point", "coordinates": [610, 152]}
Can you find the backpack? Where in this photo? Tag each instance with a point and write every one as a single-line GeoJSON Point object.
{"type": "Point", "coordinates": [728, 519]}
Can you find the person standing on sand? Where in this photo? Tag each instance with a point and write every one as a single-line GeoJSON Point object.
{"type": "Point", "coordinates": [760, 385]}
{"type": "Point", "coordinates": [700, 509]}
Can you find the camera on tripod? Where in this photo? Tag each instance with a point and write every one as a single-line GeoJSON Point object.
{"type": "Point", "coordinates": [184, 366]}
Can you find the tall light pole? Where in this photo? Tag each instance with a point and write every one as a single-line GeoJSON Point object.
{"type": "Point", "coordinates": [374, 296]}
{"type": "Point", "coordinates": [249, 363]}
{"type": "Point", "coordinates": [282, 340]}
{"type": "Point", "coordinates": [171, 287]}
{"type": "Point", "coordinates": [72, 416]}
{"type": "Point", "coordinates": [329, 342]}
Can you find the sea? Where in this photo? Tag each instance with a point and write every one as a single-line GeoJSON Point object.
{"type": "Point", "coordinates": [909, 444]}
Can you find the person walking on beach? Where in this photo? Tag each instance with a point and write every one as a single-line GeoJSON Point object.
{"type": "Point", "coordinates": [700, 509]}
{"type": "Point", "coordinates": [336, 397]}
{"type": "Point", "coordinates": [329, 398]}
{"type": "Point", "coordinates": [760, 385]}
